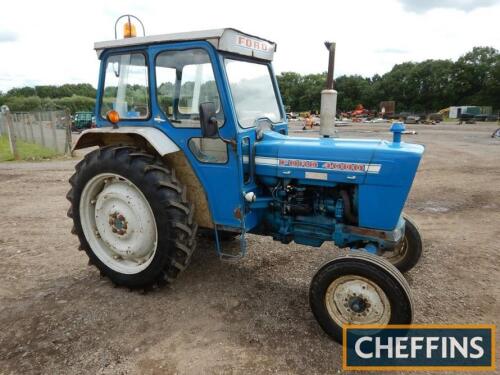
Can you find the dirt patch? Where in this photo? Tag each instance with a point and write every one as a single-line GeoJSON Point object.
{"type": "Point", "coordinates": [252, 316]}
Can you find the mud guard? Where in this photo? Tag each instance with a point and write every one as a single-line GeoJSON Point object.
{"type": "Point", "coordinates": [101, 136]}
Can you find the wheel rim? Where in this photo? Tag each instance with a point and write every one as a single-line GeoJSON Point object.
{"type": "Point", "coordinates": [118, 223]}
{"type": "Point", "coordinates": [398, 253]}
{"type": "Point", "coordinates": [353, 299]}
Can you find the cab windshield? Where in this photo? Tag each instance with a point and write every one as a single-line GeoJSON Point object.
{"type": "Point", "coordinates": [253, 92]}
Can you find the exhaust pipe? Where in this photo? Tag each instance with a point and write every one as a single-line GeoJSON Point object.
{"type": "Point", "coordinates": [328, 97]}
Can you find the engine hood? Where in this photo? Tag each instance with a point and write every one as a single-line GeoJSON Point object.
{"type": "Point", "coordinates": [338, 160]}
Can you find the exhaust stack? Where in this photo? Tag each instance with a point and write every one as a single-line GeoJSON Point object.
{"type": "Point", "coordinates": [329, 97]}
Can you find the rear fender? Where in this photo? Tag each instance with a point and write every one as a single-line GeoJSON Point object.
{"type": "Point", "coordinates": [134, 135]}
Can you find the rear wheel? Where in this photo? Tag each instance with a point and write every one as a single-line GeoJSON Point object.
{"type": "Point", "coordinates": [131, 216]}
{"type": "Point", "coordinates": [359, 288]}
{"type": "Point", "coordinates": [408, 252]}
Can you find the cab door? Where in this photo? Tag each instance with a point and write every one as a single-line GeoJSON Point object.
{"type": "Point", "coordinates": [182, 76]}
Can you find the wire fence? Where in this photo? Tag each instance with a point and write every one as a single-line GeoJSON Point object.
{"type": "Point", "coordinates": [50, 129]}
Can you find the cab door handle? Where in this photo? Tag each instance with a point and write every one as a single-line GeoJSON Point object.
{"type": "Point", "coordinates": [159, 119]}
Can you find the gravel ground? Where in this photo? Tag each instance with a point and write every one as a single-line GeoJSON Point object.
{"type": "Point", "coordinates": [58, 316]}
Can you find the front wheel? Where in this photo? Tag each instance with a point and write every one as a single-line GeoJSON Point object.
{"type": "Point", "coordinates": [359, 288]}
{"type": "Point", "coordinates": [408, 252]}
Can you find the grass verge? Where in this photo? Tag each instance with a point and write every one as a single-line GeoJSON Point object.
{"type": "Point", "coordinates": [27, 151]}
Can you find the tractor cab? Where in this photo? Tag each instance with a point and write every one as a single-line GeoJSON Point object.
{"type": "Point", "coordinates": [161, 81]}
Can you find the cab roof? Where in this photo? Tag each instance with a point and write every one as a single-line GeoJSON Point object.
{"type": "Point", "coordinates": [228, 39]}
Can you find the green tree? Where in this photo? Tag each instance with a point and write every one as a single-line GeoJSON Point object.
{"type": "Point", "coordinates": [74, 103]}
{"type": "Point", "coordinates": [353, 90]}
{"type": "Point", "coordinates": [22, 91]}
{"type": "Point", "coordinates": [474, 77]}
{"type": "Point", "coordinates": [290, 86]}
{"type": "Point", "coordinates": [427, 86]}
{"type": "Point", "coordinates": [23, 104]}
{"type": "Point", "coordinates": [491, 90]}
{"type": "Point", "coordinates": [310, 94]}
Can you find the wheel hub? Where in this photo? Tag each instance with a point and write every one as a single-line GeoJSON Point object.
{"type": "Point", "coordinates": [119, 223]}
{"type": "Point", "coordinates": [357, 304]}
{"type": "Point", "coordinates": [126, 231]}
{"type": "Point", "coordinates": [354, 299]}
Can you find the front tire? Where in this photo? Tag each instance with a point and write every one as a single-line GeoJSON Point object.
{"type": "Point", "coordinates": [408, 252]}
{"type": "Point", "coordinates": [131, 216]}
{"type": "Point", "coordinates": [359, 288]}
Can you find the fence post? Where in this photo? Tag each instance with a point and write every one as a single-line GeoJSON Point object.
{"type": "Point", "coordinates": [69, 140]}
{"type": "Point", "coordinates": [53, 122]}
{"type": "Point", "coordinates": [10, 132]}
{"type": "Point", "coordinates": [24, 125]}
{"type": "Point", "coordinates": [40, 124]}
{"type": "Point", "coordinates": [13, 120]}
{"type": "Point", "coordinates": [30, 124]}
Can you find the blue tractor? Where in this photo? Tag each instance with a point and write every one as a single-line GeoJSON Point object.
{"type": "Point", "coordinates": [193, 137]}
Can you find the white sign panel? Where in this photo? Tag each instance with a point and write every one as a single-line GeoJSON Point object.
{"type": "Point", "coordinates": [236, 42]}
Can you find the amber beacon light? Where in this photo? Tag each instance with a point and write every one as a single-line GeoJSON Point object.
{"type": "Point", "coordinates": [129, 29]}
{"type": "Point", "coordinates": [113, 116]}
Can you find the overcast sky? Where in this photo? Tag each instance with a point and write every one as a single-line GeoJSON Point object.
{"type": "Point", "coordinates": [51, 42]}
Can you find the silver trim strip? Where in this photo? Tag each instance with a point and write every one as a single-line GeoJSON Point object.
{"type": "Point", "coordinates": [264, 160]}
{"type": "Point", "coordinates": [270, 161]}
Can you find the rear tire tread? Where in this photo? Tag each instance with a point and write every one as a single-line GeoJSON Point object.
{"type": "Point", "coordinates": [180, 231]}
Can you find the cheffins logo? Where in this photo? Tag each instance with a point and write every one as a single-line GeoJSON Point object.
{"type": "Point", "coordinates": [419, 347]}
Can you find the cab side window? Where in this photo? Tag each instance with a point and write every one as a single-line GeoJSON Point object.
{"type": "Point", "coordinates": [126, 87]}
{"type": "Point", "coordinates": [184, 79]}
{"type": "Point", "coordinates": [208, 150]}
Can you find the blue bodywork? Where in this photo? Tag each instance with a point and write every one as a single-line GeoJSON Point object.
{"type": "Point", "coordinates": [309, 190]}
{"type": "Point", "coordinates": [383, 192]}
{"type": "Point", "coordinates": [378, 175]}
